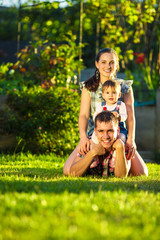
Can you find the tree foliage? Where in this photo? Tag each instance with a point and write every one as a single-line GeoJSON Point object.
{"type": "Point", "coordinates": [127, 26]}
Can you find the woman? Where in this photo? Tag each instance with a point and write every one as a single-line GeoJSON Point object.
{"type": "Point", "coordinates": [107, 64]}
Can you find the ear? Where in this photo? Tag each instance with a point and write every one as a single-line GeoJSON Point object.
{"type": "Point", "coordinates": [117, 65]}
{"type": "Point", "coordinates": [118, 131]}
{"type": "Point", "coordinates": [96, 64]}
{"type": "Point", "coordinates": [119, 95]}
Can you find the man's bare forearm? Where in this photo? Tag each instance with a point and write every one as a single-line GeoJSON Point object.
{"type": "Point", "coordinates": [121, 168]}
{"type": "Point", "coordinates": [80, 165]}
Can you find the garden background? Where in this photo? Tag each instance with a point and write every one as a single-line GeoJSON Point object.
{"type": "Point", "coordinates": [57, 44]}
{"type": "Point", "coordinates": [43, 49]}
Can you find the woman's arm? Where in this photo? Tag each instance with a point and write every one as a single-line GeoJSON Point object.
{"type": "Point", "coordinates": [83, 146]}
{"type": "Point", "coordinates": [129, 101]}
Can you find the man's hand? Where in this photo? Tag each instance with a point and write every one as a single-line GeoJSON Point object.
{"type": "Point", "coordinates": [118, 144]}
{"type": "Point", "coordinates": [122, 166]}
{"type": "Point", "coordinates": [98, 149]}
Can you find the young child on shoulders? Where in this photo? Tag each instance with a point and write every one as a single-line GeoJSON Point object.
{"type": "Point", "coordinates": [111, 92]}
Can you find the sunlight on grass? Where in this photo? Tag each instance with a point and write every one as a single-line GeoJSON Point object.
{"type": "Point", "coordinates": [38, 202]}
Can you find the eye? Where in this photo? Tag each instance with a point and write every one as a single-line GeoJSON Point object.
{"type": "Point", "coordinates": [100, 131]}
{"type": "Point", "coordinates": [110, 131]}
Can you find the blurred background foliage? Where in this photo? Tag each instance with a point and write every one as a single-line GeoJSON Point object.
{"type": "Point", "coordinates": [54, 55]}
{"type": "Point", "coordinates": [44, 120]}
{"type": "Point", "coordinates": [127, 26]}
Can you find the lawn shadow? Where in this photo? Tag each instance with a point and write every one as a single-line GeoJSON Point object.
{"type": "Point", "coordinates": [61, 184]}
{"type": "Point", "coordinates": [43, 173]}
{"type": "Point", "coordinates": [43, 180]}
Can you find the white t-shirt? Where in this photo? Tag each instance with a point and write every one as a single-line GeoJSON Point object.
{"type": "Point", "coordinates": [122, 110]}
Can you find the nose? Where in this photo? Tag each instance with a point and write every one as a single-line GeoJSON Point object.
{"type": "Point", "coordinates": [108, 65]}
{"type": "Point", "coordinates": [106, 135]}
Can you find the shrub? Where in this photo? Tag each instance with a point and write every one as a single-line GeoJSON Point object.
{"type": "Point", "coordinates": [44, 120]}
{"type": "Point", "coordinates": [42, 111]}
{"type": "Point", "coordinates": [43, 63]}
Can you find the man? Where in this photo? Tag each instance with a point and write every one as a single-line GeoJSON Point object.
{"type": "Point", "coordinates": [106, 158]}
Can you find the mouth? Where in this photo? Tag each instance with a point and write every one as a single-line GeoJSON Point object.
{"type": "Point", "coordinates": [106, 141]}
{"type": "Point", "coordinates": [107, 70]}
{"type": "Point", "coordinates": [111, 99]}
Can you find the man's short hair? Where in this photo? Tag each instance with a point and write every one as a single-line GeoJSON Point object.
{"type": "Point", "coordinates": [106, 117]}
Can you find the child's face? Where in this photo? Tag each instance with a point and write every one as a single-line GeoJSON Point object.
{"type": "Point", "coordinates": [111, 95]}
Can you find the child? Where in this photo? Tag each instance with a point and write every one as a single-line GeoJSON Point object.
{"type": "Point", "coordinates": [111, 91]}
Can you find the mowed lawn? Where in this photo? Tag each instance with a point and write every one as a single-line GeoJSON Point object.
{"type": "Point", "coordinates": [38, 202]}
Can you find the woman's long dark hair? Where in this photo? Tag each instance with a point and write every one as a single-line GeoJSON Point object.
{"type": "Point", "coordinates": [92, 83]}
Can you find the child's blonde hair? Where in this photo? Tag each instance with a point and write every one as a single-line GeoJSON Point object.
{"type": "Point", "coordinates": [113, 84]}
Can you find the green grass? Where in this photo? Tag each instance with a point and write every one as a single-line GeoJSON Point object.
{"type": "Point", "coordinates": [38, 202]}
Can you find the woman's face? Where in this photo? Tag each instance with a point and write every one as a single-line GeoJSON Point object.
{"type": "Point", "coordinates": [107, 66]}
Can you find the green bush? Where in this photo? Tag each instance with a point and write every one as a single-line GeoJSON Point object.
{"type": "Point", "coordinates": [43, 63]}
{"type": "Point", "coordinates": [43, 100]}
{"type": "Point", "coordinates": [44, 120]}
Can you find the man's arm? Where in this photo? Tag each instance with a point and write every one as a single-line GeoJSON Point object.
{"type": "Point", "coordinates": [80, 164]}
{"type": "Point", "coordinates": [122, 165]}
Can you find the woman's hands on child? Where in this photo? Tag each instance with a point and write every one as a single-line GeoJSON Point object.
{"type": "Point", "coordinates": [83, 146]}
{"type": "Point", "coordinates": [130, 148]}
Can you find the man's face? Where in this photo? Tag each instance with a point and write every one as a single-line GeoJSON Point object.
{"type": "Point", "coordinates": [106, 133]}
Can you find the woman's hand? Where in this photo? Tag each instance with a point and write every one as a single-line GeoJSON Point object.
{"type": "Point", "coordinates": [130, 148]}
{"type": "Point", "coordinates": [83, 146]}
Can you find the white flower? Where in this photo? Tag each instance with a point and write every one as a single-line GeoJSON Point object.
{"type": "Point", "coordinates": [11, 72]}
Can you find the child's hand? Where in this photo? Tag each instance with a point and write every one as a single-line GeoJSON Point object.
{"type": "Point", "coordinates": [116, 114]}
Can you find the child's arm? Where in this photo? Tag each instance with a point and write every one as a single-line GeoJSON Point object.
{"type": "Point", "coordinates": [122, 112]}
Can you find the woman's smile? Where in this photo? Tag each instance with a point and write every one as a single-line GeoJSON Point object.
{"type": "Point", "coordinates": [107, 66]}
